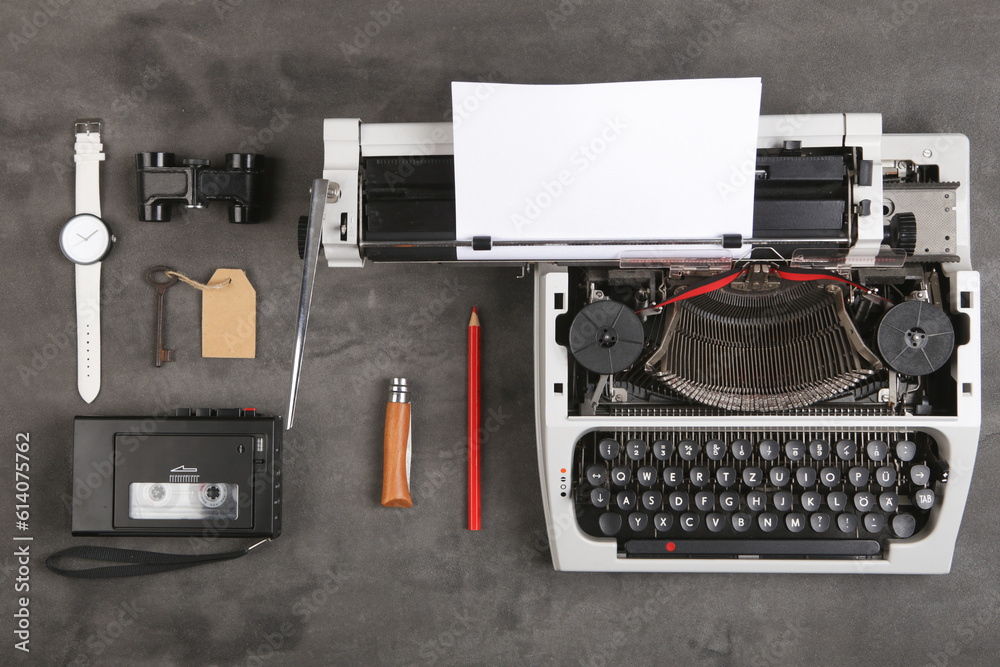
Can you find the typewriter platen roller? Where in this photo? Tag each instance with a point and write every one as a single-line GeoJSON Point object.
{"type": "Point", "coordinates": [850, 330]}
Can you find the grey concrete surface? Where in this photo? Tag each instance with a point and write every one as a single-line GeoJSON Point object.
{"type": "Point", "coordinates": [350, 582]}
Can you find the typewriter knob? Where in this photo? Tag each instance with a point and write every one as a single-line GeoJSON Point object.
{"type": "Point", "coordinates": [303, 232]}
{"type": "Point", "coordinates": [902, 232]}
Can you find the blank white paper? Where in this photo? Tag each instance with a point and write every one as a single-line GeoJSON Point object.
{"type": "Point", "coordinates": [607, 161]}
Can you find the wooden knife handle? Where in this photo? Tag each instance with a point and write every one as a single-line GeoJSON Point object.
{"type": "Point", "coordinates": [395, 486]}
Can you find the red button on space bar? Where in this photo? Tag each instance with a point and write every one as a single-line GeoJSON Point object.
{"type": "Point", "coordinates": [767, 548]}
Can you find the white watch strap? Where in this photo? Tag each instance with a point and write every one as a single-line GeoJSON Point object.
{"type": "Point", "coordinates": [88, 157]}
{"type": "Point", "coordinates": [88, 330]}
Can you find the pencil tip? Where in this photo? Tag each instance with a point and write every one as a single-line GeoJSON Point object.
{"type": "Point", "coordinates": [474, 309]}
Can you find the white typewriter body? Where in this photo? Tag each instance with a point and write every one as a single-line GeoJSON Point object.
{"type": "Point", "coordinates": [560, 427]}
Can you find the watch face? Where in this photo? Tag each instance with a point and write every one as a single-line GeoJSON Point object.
{"type": "Point", "coordinates": [85, 239]}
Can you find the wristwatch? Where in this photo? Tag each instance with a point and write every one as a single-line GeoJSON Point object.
{"type": "Point", "coordinates": [85, 239]}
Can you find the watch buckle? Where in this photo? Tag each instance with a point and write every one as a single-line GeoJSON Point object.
{"type": "Point", "coordinates": [87, 126]}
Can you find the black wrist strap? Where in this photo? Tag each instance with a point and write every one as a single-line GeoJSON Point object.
{"type": "Point", "coordinates": [143, 562]}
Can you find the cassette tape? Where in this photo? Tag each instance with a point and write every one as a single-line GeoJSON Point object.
{"type": "Point", "coordinates": [206, 473]}
{"type": "Point", "coordinates": [177, 500]}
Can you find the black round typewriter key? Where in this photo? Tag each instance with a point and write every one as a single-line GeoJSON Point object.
{"type": "Point", "coordinates": [820, 522]}
{"type": "Point", "coordinates": [885, 476]}
{"type": "Point", "coordinates": [888, 501]}
{"type": "Point", "coordinates": [753, 476]}
{"type": "Point", "coordinates": [725, 476]}
{"type": "Point", "coordinates": [837, 501]}
{"type": "Point", "coordinates": [858, 476]}
{"type": "Point", "coordinates": [795, 522]}
{"type": "Point", "coordinates": [608, 449]}
{"type": "Point", "coordinates": [741, 522]}
{"type": "Point", "coordinates": [811, 501]}
{"type": "Point", "coordinates": [636, 449]}
{"type": "Point", "coordinates": [806, 477]}
{"type": "Point", "coordinates": [847, 523]}
{"type": "Point", "coordinates": [646, 476]}
{"type": "Point", "coordinates": [638, 521]}
{"type": "Point", "coordinates": [704, 501]}
{"type": "Point", "coordinates": [678, 501]}
{"type": "Point", "coordinates": [688, 450]}
{"type": "Point", "coordinates": [795, 450]}
{"type": "Point", "coordinates": [757, 501]}
{"type": "Point", "coordinates": [729, 501]}
{"type": "Point", "coordinates": [846, 450]}
{"type": "Point", "coordinates": [768, 450]}
{"type": "Point", "coordinates": [905, 451]}
{"type": "Point", "coordinates": [920, 475]}
{"type": "Point", "coordinates": [690, 522]}
{"type": "Point", "coordinates": [596, 475]}
{"type": "Point", "coordinates": [621, 476]}
{"type": "Point", "coordinates": [652, 500]}
{"type": "Point", "coordinates": [663, 522]}
{"type": "Point", "coordinates": [924, 499]}
{"type": "Point", "coordinates": [874, 523]}
{"type": "Point", "coordinates": [662, 449]}
{"type": "Point", "coordinates": [768, 522]}
{"type": "Point", "coordinates": [610, 523]}
{"type": "Point", "coordinates": [715, 522]}
{"type": "Point", "coordinates": [700, 476]}
{"type": "Point", "coordinates": [673, 476]}
{"type": "Point", "coordinates": [782, 501]}
{"type": "Point", "coordinates": [626, 500]}
{"type": "Point", "coordinates": [780, 476]}
{"type": "Point", "coordinates": [819, 450]}
{"type": "Point", "coordinates": [830, 477]}
{"type": "Point", "coordinates": [600, 497]}
{"type": "Point", "coordinates": [877, 450]}
{"type": "Point", "coordinates": [864, 501]}
{"type": "Point", "coordinates": [903, 525]}
{"type": "Point", "coordinates": [715, 449]}
{"type": "Point", "coordinates": [742, 450]}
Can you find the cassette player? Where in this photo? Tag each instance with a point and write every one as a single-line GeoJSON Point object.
{"type": "Point", "coordinates": [208, 472]}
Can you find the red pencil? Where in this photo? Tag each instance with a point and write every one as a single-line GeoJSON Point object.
{"type": "Point", "coordinates": [474, 509]}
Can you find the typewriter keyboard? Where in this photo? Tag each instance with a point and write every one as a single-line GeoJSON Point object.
{"type": "Point", "coordinates": [792, 494]}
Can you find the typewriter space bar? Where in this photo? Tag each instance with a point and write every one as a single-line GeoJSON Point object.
{"type": "Point", "coordinates": [764, 548]}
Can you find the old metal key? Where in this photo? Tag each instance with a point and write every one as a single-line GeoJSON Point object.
{"type": "Point", "coordinates": [160, 354]}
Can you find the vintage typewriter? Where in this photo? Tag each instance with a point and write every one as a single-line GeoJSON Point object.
{"type": "Point", "coordinates": [812, 405]}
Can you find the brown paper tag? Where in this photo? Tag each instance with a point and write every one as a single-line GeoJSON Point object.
{"type": "Point", "coordinates": [229, 317]}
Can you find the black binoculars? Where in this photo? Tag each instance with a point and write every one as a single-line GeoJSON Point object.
{"type": "Point", "coordinates": [162, 183]}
